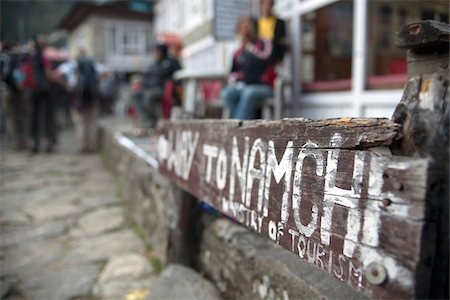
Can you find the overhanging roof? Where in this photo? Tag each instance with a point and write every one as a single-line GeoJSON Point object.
{"type": "Point", "coordinates": [123, 9]}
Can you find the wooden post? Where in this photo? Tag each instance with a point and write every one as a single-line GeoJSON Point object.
{"type": "Point", "coordinates": [183, 243]}
{"type": "Point", "coordinates": [423, 114]}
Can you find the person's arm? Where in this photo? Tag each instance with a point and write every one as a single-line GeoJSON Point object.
{"type": "Point", "coordinates": [235, 72]}
{"type": "Point", "coordinates": [59, 77]}
{"type": "Point", "coordinates": [48, 71]}
{"type": "Point", "coordinates": [261, 53]}
{"type": "Point", "coordinates": [279, 41]}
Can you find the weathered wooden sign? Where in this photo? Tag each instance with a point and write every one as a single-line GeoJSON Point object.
{"type": "Point", "coordinates": [313, 187]}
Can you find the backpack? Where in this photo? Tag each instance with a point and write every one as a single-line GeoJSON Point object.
{"type": "Point", "coordinates": [32, 69]}
{"type": "Point", "coordinates": [86, 87]}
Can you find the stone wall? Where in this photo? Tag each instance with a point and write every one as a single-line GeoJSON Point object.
{"type": "Point", "coordinates": [151, 200]}
{"type": "Point", "coordinates": [245, 265]}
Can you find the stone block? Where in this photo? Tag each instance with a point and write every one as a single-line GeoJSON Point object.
{"type": "Point", "coordinates": [245, 265]}
{"type": "Point", "coordinates": [178, 282]}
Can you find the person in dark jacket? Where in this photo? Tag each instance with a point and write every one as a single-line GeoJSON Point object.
{"type": "Point", "coordinates": [248, 84]}
{"type": "Point", "coordinates": [148, 99]}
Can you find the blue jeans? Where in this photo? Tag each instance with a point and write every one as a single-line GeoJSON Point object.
{"type": "Point", "coordinates": [242, 100]}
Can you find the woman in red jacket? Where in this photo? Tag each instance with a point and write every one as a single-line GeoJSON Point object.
{"type": "Point", "coordinates": [250, 63]}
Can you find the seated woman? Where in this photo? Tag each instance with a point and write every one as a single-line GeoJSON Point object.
{"type": "Point", "coordinates": [247, 84]}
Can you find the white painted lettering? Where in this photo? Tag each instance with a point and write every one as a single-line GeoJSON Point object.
{"type": "Point", "coordinates": [284, 168]}
{"type": "Point", "coordinates": [256, 174]}
{"type": "Point", "coordinates": [210, 152]}
{"type": "Point", "coordinates": [238, 169]}
{"type": "Point", "coordinates": [221, 170]}
{"type": "Point", "coordinates": [308, 229]}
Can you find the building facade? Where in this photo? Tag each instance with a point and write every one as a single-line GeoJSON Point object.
{"type": "Point", "coordinates": [116, 34]}
{"type": "Point", "coordinates": [342, 61]}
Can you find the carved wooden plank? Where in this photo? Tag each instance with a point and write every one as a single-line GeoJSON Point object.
{"type": "Point", "coordinates": [312, 187]}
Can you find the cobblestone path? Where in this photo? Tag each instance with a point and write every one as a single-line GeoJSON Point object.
{"type": "Point", "coordinates": [63, 230]}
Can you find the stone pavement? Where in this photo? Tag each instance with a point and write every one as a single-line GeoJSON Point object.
{"type": "Point", "coordinates": [64, 234]}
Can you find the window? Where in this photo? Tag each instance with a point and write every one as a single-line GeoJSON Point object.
{"type": "Point", "coordinates": [326, 47]}
{"type": "Point", "coordinates": [131, 42]}
{"type": "Point", "coordinates": [128, 39]}
{"type": "Point", "coordinates": [387, 64]}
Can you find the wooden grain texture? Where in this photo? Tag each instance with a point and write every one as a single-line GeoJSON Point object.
{"type": "Point", "coordinates": [313, 187]}
{"type": "Point", "coordinates": [428, 47]}
{"type": "Point", "coordinates": [424, 118]}
{"type": "Point", "coordinates": [423, 34]}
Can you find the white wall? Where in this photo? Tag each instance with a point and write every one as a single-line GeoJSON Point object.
{"type": "Point", "coordinates": [184, 17]}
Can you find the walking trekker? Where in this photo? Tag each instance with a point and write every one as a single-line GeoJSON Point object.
{"type": "Point", "coordinates": [38, 71]}
{"type": "Point", "coordinates": [80, 77]}
{"type": "Point", "coordinates": [13, 101]}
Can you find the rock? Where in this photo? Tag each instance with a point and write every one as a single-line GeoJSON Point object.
{"type": "Point", "coordinates": [30, 257]}
{"type": "Point", "coordinates": [98, 200]}
{"type": "Point", "coordinates": [106, 246]}
{"type": "Point", "coordinates": [60, 283]}
{"type": "Point", "coordinates": [101, 220]}
{"type": "Point", "coordinates": [12, 236]}
{"type": "Point", "coordinates": [122, 275]}
{"type": "Point", "coordinates": [179, 282]}
{"type": "Point", "coordinates": [53, 210]}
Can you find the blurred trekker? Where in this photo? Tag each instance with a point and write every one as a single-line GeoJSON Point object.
{"type": "Point", "coordinates": [147, 100]}
{"type": "Point", "coordinates": [80, 77]}
{"type": "Point", "coordinates": [38, 78]}
{"type": "Point", "coordinates": [108, 89]}
{"type": "Point", "coordinates": [13, 101]}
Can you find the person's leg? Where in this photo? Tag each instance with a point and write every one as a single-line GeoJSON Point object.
{"type": "Point", "coordinates": [78, 124]}
{"type": "Point", "coordinates": [251, 95]}
{"type": "Point", "coordinates": [34, 124]}
{"type": "Point", "coordinates": [49, 120]}
{"type": "Point", "coordinates": [14, 117]}
{"type": "Point", "coordinates": [92, 117]}
{"type": "Point", "coordinates": [154, 97]}
{"type": "Point", "coordinates": [230, 97]}
{"type": "Point", "coordinates": [138, 101]}
{"type": "Point", "coordinates": [20, 121]}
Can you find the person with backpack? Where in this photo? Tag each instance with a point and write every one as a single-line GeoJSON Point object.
{"type": "Point", "coordinates": [12, 96]}
{"type": "Point", "coordinates": [80, 77]}
{"type": "Point", "coordinates": [38, 78]}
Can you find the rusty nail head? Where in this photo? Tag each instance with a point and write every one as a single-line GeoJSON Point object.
{"type": "Point", "coordinates": [415, 29]}
{"type": "Point", "coordinates": [387, 202]}
{"type": "Point", "coordinates": [376, 273]}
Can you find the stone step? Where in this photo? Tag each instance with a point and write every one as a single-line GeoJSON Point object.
{"type": "Point", "coordinates": [180, 282]}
